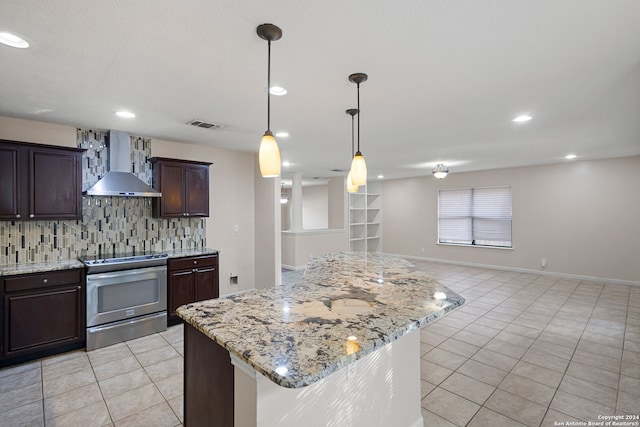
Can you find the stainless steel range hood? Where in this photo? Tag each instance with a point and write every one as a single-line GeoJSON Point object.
{"type": "Point", "coordinates": [119, 181]}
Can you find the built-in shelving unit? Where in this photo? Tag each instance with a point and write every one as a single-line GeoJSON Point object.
{"type": "Point", "coordinates": [365, 219]}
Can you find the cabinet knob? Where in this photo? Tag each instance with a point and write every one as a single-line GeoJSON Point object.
{"type": "Point", "coordinates": [45, 280]}
{"type": "Point", "coordinates": [31, 216]}
{"type": "Point", "coordinates": [187, 214]}
{"type": "Point", "coordinates": [79, 287]}
{"type": "Point", "coordinates": [195, 262]}
{"type": "Point", "coordinates": [18, 216]}
{"type": "Point", "coordinates": [195, 270]}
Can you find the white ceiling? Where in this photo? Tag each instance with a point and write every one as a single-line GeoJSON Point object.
{"type": "Point", "coordinates": [445, 77]}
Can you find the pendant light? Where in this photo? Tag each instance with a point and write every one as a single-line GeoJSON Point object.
{"type": "Point", "coordinates": [283, 195]}
{"type": "Point", "coordinates": [350, 187]}
{"type": "Point", "coordinates": [358, 165]}
{"type": "Point", "coordinates": [440, 171]}
{"type": "Point", "coordinates": [269, 153]}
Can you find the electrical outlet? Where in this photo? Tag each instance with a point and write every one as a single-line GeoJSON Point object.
{"type": "Point", "coordinates": [543, 262]}
{"type": "Point", "coordinates": [236, 228]}
{"type": "Point", "coordinates": [422, 250]}
{"type": "Point", "coordinates": [187, 231]}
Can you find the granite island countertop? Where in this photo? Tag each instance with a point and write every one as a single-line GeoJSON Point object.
{"type": "Point", "coordinates": [296, 334]}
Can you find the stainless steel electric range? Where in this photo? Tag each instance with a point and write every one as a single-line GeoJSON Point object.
{"type": "Point", "coordinates": [126, 298]}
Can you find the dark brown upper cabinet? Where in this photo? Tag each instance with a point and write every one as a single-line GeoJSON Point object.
{"type": "Point", "coordinates": [40, 182]}
{"type": "Point", "coordinates": [184, 186]}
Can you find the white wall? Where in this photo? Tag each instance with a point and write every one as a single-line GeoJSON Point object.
{"type": "Point", "coordinates": [267, 229]}
{"type": "Point", "coordinates": [299, 247]}
{"type": "Point", "coordinates": [583, 217]}
{"type": "Point", "coordinates": [315, 207]}
{"type": "Point", "coordinates": [38, 132]}
{"type": "Point", "coordinates": [231, 204]}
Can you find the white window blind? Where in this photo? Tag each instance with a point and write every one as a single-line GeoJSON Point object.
{"type": "Point", "coordinates": [475, 216]}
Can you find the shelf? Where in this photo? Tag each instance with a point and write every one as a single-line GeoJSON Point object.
{"type": "Point", "coordinates": [365, 218]}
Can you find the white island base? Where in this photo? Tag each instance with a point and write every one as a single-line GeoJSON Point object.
{"type": "Point", "coordinates": [381, 389]}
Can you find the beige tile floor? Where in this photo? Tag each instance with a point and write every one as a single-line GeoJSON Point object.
{"type": "Point", "coordinates": [137, 383]}
{"type": "Point", "coordinates": [524, 350]}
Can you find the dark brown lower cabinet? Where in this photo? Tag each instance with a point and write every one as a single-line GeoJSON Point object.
{"type": "Point", "coordinates": [208, 382]}
{"type": "Point", "coordinates": [42, 311]}
{"type": "Point", "coordinates": [191, 279]}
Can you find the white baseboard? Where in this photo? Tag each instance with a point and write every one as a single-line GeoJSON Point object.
{"type": "Point", "coordinates": [527, 270]}
{"type": "Point", "coordinates": [291, 267]}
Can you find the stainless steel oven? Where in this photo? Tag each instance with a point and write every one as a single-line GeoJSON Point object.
{"type": "Point", "coordinates": [126, 298]}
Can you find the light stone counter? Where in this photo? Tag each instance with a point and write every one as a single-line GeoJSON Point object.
{"type": "Point", "coordinates": [296, 335]}
{"type": "Point", "coordinates": [180, 253]}
{"type": "Point", "coordinates": [39, 267]}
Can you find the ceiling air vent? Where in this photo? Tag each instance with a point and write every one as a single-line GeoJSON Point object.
{"type": "Point", "coordinates": [204, 125]}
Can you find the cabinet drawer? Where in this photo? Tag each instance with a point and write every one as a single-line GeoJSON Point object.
{"type": "Point", "coordinates": [193, 262]}
{"type": "Point", "coordinates": [42, 280]}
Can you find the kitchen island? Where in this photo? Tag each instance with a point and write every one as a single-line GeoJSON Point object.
{"type": "Point", "coordinates": [341, 347]}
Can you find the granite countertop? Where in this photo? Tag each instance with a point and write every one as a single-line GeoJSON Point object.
{"type": "Point", "coordinates": [42, 267]}
{"type": "Point", "coordinates": [39, 267]}
{"type": "Point", "coordinates": [180, 253]}
{"type": "Point", "coordinates": [296, 334]}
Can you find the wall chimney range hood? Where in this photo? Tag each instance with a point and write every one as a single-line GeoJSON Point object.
{"type": "Point", "coordinates": [119, 181]}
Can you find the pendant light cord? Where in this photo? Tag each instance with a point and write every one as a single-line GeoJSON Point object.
{"type": "Point", "coordinates": [269, 85]}
{"type": "Point", "coordinates": [352, 119]}
{"type": "Point", "coordinates": [358, 117]}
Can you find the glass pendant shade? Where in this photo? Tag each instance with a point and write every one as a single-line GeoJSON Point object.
{"type": "Point", "coordinates": [358, 170]}
{"type": "Point", "coordinates": [269, 156]}
{"type": "Point", "coordinates": [350, 187]}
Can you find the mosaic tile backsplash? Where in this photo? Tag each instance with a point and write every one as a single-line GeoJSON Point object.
{"type": "Point", "coordinates": [109, 224]}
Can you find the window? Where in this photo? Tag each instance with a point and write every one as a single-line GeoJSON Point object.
{"type": "Point", "coordinates": [475, 216]}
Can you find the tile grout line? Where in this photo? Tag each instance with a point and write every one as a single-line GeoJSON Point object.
{"type": "Point", "coordinates": [104, 399]}
{"type": "Point", "coordinates": [624, 339]}
{"type": "Point", "coordinates": [564, 374]}
{"type": "Point", "coordinates": [42, 392]}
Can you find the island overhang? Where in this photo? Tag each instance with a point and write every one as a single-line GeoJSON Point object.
{"type": "Point", "coordinates": [348, 305]}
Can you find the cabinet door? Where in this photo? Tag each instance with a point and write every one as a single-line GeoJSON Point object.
{"type": "Point", "coordinates": [172, 188]}
{"type": "Point", "coordinates": [181, 290]}
{"type": "Point", "coordinates": [10, 185]}
{"type": "Point", "coordinates": [206, 283]}
{"type": "Point", "coordinates": [56, 184]}
{"type": "Point", "coordinates": [197, 190]}
{"type": "Point", "coordinates": [40, 320]}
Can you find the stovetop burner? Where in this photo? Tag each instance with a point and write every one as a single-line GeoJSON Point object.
{"type": "Point", "coordinates": [120, 262]}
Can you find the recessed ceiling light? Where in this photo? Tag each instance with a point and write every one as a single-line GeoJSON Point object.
{"type": "Point", "coordinates": [125, 114]}
{"type": "Point", "coordinates": [278, 90]}
{"type": "Point", "coordinates": [570, 156]}
{"type": "Point", "coordinates": [282, 134]}
{"type": "Point", "coordinates": [523, 118]}
{"type": "Point", "coordinates": [380, 176]}
{"type": "Point", "coordinates": [286, 163]}
{"type": "Point", "coordinates": [13, 41]}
